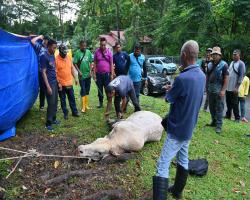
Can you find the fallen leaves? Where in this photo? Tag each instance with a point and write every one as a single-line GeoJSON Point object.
{"type": "Point", "coordinates": [47, 190]}
{"type": "Point", "coordinates": [56, 164]}
{"type": "Point", "coordinates": [242, 184]}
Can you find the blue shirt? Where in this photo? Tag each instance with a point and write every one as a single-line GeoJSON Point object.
{"type": "Point", "coordinates": [39, 49]}
{"type": "Point", "coordinates": [185, 98]}
{"type": "Point", "coordinates": [47, 62]}
{"type": "Point", "coordinates": [122, 84]}
{"type": "Point", "coordinates": [120, 60]}
{"type": "Point", "coordinates": [136, 67]}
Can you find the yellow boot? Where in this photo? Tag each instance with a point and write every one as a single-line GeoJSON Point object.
{"type": "Point", "coordinates": [84, 104]}
{"type": "Point", "coordinates": [87, 103]}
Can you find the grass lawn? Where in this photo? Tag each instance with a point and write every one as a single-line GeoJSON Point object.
{"type": "Point", "coordinates": [228, 154]}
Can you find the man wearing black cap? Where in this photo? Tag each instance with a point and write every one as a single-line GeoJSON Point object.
{"type": "Point", "coordinates": [121, 87]}
{"type": "Point", "coordinates": [64, 73]}
{"type": "Point", "coordinates": [135, 65]}
{"type": "Point", "coordinates": [236, 75]}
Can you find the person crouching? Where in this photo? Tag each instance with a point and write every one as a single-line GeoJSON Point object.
{"type": "Point", "coordinates": [121, 88]}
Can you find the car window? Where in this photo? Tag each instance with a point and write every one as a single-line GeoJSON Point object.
{"type": "Point", "coordinates": [158, 62]}
{"type": "Point", "coordinates": [151, 61]}
{"type": "Point", "coordinates": [151, 69]}
{"type": "Point", "coordinates": [165, 60]}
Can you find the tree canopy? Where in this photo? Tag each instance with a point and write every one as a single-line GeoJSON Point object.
{"type": "Point", "coordinates": [168, 22]}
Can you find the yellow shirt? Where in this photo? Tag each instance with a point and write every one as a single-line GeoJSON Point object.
{"type": "Point", "coordinates": [244, 87]}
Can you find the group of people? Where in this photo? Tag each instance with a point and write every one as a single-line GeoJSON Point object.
{"type": "Point", "coordinates": [185, 97]}
{"type": "Point", "coordinates": [117, 76]}
{"type": "Point", "coordinates": [225, 81]}
{"type": "Point", "coordinates": [120, 76]}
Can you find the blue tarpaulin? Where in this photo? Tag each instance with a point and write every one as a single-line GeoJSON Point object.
{"type": "Point", "coordinates": [18, 80]}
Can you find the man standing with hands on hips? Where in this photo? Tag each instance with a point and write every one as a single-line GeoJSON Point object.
{"type": "Point", "coordinates": [185, 98]}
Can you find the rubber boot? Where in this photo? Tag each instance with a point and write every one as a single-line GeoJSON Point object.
{"type": "Point", "coordinates": [83, 104]}
{"type": "Point", "coordinates": [160, 186]}
{"type": "Point", "coordinates": [180, 182]}
{"type": "Point", "coordinates": [87, 103]}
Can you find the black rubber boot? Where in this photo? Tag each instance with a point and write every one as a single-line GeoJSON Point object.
{"type": "Point", "coordinates": [180, 182]}
{"type": "Point", "coordinates": [160, 186]}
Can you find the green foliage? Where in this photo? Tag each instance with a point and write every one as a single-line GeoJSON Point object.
{"type": "Point", "coordinates": [168, 22]}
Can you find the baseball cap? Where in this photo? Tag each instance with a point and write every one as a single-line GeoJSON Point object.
{"type": "Point", "coordinates": [236, 51]}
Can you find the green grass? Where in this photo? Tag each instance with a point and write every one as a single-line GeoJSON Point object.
{"type": "Point", "coordinates": [228, 154]}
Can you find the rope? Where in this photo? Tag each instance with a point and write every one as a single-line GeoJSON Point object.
{"type": "Point", "coordinates": [32, 153]}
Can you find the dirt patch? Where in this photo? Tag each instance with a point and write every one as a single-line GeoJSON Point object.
{"type": "Point", "coordinates": [60, 178]}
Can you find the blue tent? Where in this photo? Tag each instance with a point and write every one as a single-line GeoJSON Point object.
{"type": "Point", "coordinates": [18, 80]}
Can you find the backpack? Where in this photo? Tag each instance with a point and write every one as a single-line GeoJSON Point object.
{"type": "Point", "coordinates": [198, 167]}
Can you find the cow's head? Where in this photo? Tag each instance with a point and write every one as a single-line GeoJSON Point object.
{"type": "Point", "coordinates": [96, 150]}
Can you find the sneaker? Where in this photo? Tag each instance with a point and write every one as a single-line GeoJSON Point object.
{"type": "Point", "coordinates": [218, 130]}
{"type": "Point", "coordinates": [56, 122]}
{"type": "Point", "coordinates": [244, 120]}
{"type": "Point", "coordinates": [75, 115]}
{"type": "Point", "coordinates": [100, 105]}
{"type": "Point", "coordinates": [227, 117]}
{"type": "Point", "coordinates": [237, 121]}
{"type": "Point", "coordinates": [49, 128]}
{"type": "Point", "coordinates": [41, 108]}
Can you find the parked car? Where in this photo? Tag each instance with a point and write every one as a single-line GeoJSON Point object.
{"type": "Point", "coordinates": [156, 81]}
{"type": "Point", "coordinates": [163, 65]}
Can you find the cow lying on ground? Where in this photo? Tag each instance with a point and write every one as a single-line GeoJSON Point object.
{"type": "Point", "coordinates": [126, 136]}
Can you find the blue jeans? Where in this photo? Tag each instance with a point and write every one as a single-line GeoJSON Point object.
{"type": "Point", "coordinates": [85, 86]}
{"type": "Point", "coordinates": [242, 102]}
{"type": "Point", "coordinates": [102, 81]}
{"type": "Point", "coordinates": [172, 148]}
{"type": "Point", "coordinates": [69, 91]}
{"type": "Point", "coordinates": [137, 86]}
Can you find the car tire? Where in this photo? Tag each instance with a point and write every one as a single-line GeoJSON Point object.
{"type": "Point", "coordinates": [165, 72]}
{"type": "Point", "coordinates": [145, 90]}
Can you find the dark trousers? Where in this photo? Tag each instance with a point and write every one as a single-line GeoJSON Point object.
{"type": "Point", "coordinates": [85, 86]}
{"type": "Point", "coordinates": [242, 102]}
{"type": "Point", "coordinates": [42, 90]}
{"type": "Point", "coordinates": [137, 87]}
{"type": "Point", "coordinates": [232, 104]}
{"type": "Point", "coordinates": [216, 106]}
{"type": "Point", "coordinates": [69, 91]}
{"type": "Point", "coordinates": [102, 81]}
{"type": "Point", "coordinates": [52, 104]}
{"type": "Point", "coordinates": [206, 102]}
{"type": "Point", "coordinates": [133, 98]}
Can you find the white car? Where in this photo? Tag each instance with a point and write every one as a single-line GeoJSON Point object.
{"type": "Point", "coordinates": [163, 65]}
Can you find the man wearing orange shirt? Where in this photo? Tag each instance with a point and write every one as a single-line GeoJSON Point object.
{"type": "Point", "coordinates": [65, 73]}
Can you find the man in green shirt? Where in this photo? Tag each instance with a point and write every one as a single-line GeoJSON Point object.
{"type": "Point", "coordinates": [83, 63]}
